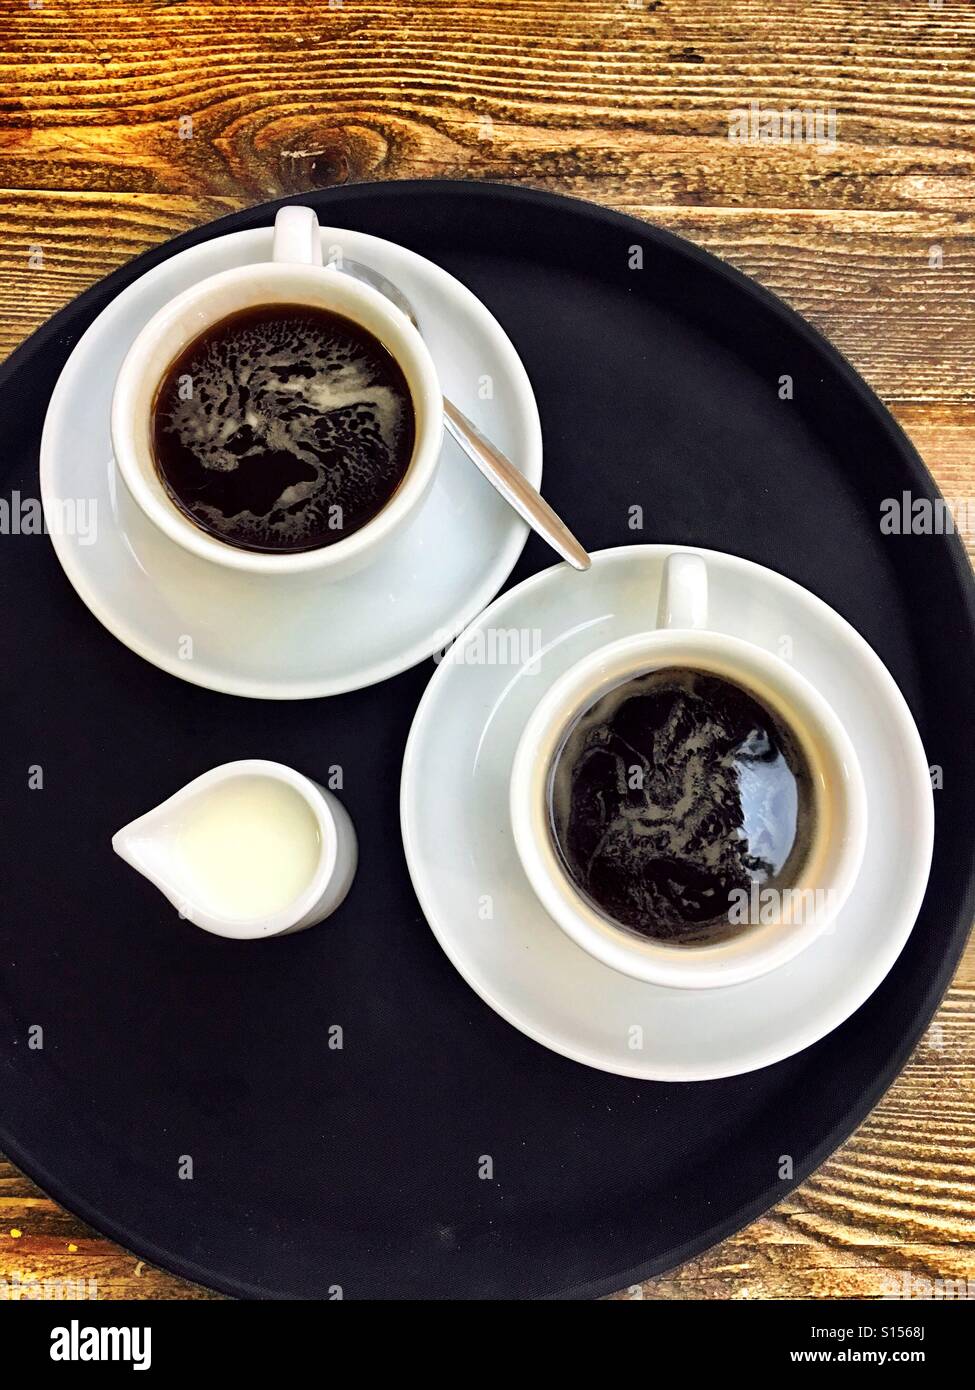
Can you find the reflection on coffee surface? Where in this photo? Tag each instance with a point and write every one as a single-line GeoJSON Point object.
{"type": "Point", "coordinates": [671, 792]}
{"type": "Point", "coordinates": [283, 428]}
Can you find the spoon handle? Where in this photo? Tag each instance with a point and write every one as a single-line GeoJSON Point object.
{"type": "Point", "coordinates": [514, 487]}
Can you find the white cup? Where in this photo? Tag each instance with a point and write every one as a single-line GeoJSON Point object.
{"type": "Point", "coordinates": [295, 275]}
{"type": "Point", "coordinates": [835, 852]}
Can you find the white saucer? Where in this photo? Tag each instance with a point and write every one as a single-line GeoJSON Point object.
{"type": "Point", "coordinates": [295, 638]}
{"type": "Point", "coordinates": [459, 847]}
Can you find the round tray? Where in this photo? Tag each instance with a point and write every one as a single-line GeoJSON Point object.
{"type": "Point", "coordinates": [363, 1167]}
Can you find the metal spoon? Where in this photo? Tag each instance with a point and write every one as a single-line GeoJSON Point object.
{"type": "Point", "coordinates": [513, 486]}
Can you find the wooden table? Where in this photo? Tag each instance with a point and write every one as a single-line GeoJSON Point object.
{"type": "Point", "coordinates": [123, 122]}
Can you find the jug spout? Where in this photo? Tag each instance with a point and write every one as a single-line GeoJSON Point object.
{"type": "Point", "coordinates": [143, 845]}
{"type": "Point", "coordinates": [128, 846]}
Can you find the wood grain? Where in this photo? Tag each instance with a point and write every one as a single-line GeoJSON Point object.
{"type": "Point", "coordinates": [122, 124]}
{"type": "Point", "coordinates": [635, 97]}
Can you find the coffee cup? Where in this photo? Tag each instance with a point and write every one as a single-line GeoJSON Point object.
{"type": "Point", "coordinates": [295, 276]}
{"type": "Point", "coordinates": [786, 922]}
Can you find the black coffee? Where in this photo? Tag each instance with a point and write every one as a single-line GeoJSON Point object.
{"type": "Point", "coordinates": [671, 792]}
{"type": "Point", "coordinates": [283, 428]}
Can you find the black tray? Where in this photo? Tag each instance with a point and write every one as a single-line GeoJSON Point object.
{"type": "Point", "coordinates": [315, 1168]}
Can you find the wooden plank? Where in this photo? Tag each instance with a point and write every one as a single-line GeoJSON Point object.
{"type": "Point", "coordinates": [635, 97]}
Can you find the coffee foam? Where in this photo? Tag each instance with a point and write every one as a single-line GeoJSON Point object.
{"type": "Point", "coordinates": [293, 390]}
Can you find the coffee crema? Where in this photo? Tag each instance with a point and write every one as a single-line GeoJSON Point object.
{"type": "Point", "coordinates": [673, 793]}
{"type": "Point", "coordinates": [283, 428]}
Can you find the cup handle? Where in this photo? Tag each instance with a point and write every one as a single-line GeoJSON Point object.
{"type": "Point", "coordinates": [297, 237]}
{"type": "Point", "coordinates": [683, 592]}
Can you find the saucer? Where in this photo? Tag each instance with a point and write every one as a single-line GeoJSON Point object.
{"type": "Point", "coordinates": [298, 637]}
{"type": "Point", "coordinates": [477, 899]}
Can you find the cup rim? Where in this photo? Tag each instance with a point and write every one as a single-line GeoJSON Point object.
{"type": "Point", "coordinates": [276, 923]}
{"type": "Point", "coordinates": [346, 293]}
{"type": "Point", "coordinates": [756, 951]}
